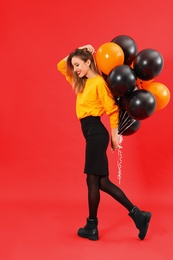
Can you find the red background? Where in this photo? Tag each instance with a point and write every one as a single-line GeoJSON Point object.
{"type": "Point", "coordinates": [42, 188]}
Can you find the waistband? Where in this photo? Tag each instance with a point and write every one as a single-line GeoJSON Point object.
{"type": "Point", "coordinates": [90, 119]}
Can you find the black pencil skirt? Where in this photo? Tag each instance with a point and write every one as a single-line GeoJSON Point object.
{"type": "Point", "coordinates": [97, 139]}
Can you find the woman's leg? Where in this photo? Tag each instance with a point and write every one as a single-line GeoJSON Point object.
{"type": "Point", "coordinates": [140, 218]}
{"type": "Point", "coordinates": [107, 186]}
{"type": "Point", "coordinates": [90, 230]}
{"type": "Point", "coordinates": [93, 183]}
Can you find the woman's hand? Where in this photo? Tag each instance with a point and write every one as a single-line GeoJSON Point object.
{"type": "Point", "coordinates": [89, 48]}
{"type": "Point", "coordinates": [114, 144]}
{"type": "Point", "coordinates": [114, 139]}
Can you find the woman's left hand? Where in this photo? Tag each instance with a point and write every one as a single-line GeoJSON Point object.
{"type": "Point", "coordinates": [114, 144]}
{"type": "Point", "coordinates": [114, 139]}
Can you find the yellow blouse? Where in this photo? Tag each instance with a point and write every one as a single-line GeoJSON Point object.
{"type": "Point", "coordinates": [96, 98]}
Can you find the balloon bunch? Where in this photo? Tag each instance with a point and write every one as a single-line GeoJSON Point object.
{"type": "Point", "coordinates": [130, 76]}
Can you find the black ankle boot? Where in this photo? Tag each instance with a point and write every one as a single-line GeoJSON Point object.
{"type": "Point", "coordinates": [90, 230]}
{"type": "Point", "coordinates": [141, 219]}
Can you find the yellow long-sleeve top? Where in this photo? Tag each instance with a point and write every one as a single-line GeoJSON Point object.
{"type": "Point", "coordinates": [96, 98]}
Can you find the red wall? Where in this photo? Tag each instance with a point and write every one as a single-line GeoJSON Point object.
{"type": "Point", "coordinates": [40, 139]}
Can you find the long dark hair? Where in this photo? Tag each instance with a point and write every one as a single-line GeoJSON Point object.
{"type": "Point", "coordinates": [83, 54]}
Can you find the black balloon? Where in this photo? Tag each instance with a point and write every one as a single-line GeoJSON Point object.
{"type": "Point", "coordinates": [128, 46]}
{"type": "Point", "coordinates": [133, 128]}
{"type": "Point", "coordinates": [121, 80]}
{"type": "Point", "coordinates": [140, 104]}
{"type": "Point", "coordinates": [126, 124]}
{"type": "Point", "coordinates": [148, 64]}
{"type": "Point", "coordinates": [124, 120]}
{"type": "Point", "coordinates": [122, 103]}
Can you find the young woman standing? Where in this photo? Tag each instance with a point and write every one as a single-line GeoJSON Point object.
{"type": "Point", "coordinates": [93, 99]}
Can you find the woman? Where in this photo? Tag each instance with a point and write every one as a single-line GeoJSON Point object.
{"type": "Point", "coordinates": [93, 100]}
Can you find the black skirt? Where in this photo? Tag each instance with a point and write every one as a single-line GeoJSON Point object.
{"type": "Point", "coordinates": [97, 139]}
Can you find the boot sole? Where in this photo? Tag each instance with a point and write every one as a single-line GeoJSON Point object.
{"type": "Point", "coordinates": [143, 232]}
{"type": "Point", "coordinates": [84, 234]}
{"type": "Point", "coordinates": [94, 238]}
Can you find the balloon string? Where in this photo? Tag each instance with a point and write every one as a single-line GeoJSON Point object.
{"type": "Point", "coordinates": [119, 161]}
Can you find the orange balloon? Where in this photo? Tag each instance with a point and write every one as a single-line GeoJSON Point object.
{"type": "Point", "coordinates": [108, 56]}
{"type": "Point", "coordinates": [132, 65]}
{"type": "Point", "coordinates": [142, 84]}
{"type": "Point", "coordinates": [161, 94]}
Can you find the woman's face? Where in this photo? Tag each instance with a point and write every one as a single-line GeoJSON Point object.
{"type": "Point", "coordinates": [80, 67]}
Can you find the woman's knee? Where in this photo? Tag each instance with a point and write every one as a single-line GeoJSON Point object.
{"type": "Point", "coordinates": [103, 182]}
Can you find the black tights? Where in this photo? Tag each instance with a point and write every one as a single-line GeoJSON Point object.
{"type": "Point", "coordinates": [96, 183]}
